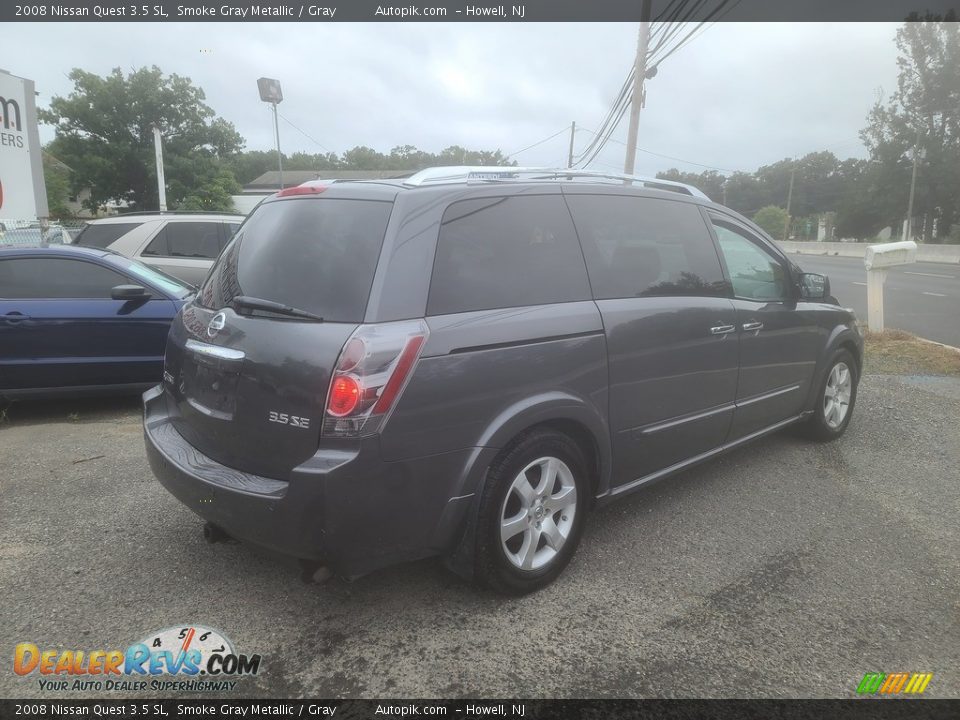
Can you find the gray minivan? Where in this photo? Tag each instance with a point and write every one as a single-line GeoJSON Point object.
{"type": "Point", "coordinates": [465, 362]}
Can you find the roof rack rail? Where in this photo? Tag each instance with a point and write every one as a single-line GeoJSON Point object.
{"type": "Point", "coordinates": [500, 173]}
{"type": "Point", "coordinates": [170, 212]}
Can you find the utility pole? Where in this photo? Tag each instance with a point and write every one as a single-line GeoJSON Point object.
{"type": "Point", "coordinates": [639, 70]}
{"type": "Point", "coordinates": [908, 228]}
{"type": "Point", "coordinates": [573, 131]}
{"type": "Point", "coordinates": [161, 180]}
{"type": "Point", "coordinates": [786, 224]}
{"type": "Point", "coordinates": [724, 193]}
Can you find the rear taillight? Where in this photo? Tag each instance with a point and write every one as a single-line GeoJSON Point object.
{"type": "Point", "coordinates": [371, 372]}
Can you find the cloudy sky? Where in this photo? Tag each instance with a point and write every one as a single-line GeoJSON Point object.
{"type": "Point", "coordinates": [738, 96]}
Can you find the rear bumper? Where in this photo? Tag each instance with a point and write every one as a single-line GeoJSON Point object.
{"type": "Point", "coordinates": [345, 507]}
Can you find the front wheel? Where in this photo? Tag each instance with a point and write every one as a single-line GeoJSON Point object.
{"type": "Point", "coordinates": [835, 399]}
{"type": "Point", "coordinates": [532, 513]}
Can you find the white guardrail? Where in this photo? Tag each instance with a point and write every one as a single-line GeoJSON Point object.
{"type": "Point", "coordinates": [925, 252]}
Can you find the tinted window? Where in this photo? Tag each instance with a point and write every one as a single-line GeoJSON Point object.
{"type": "Point", "coordinates": [755, 273]}
{"type": "Point", "coordinates": [506, 252]}
{"type": "Point", "coordinates": [315, 254]}
{"type": "Point", "coordinates": [186, 240]}
{"type": "Point", "coordinates": [641, 247]}
{"type": "Point", "coordinates": [56, 278]}
{"type": "Point", "coordinates": [103, 235]}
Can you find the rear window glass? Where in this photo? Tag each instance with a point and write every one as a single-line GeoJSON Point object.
{"type": "Point", "coordinates": [186, 240]}
{"type": "Point", "coordinates": [506, 252]}
{"type": "Point", "coordinates": [103, 235]}
{"type": "Point", "coordinates": [314, 254]}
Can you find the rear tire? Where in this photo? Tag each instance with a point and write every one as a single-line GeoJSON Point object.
{"type": "Point", "coordinates": [836, 397]}
{"type": "Point", "coordinates": [532, 512]}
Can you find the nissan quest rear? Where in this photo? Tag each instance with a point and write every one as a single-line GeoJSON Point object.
{"type": "Point", "coordinates": [465, 362]}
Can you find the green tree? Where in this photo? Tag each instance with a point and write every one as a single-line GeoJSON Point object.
{"type": "Point", "coordinates": [710, 182]}
{"type": "Point", "coordinates": [363, 158]}
{"type": "Point", "coordinates": [248, 165]}
{"type": "Point", "coordinates": [104, 132]}
{"type": "Point", "coordinates": [924, 114]}
{"type": "Point", "coordinates": [56, 178]}
{"type": "Point", "coordinates": [772, 219]}
{"type": "Point", "coordinates": [745, 193]}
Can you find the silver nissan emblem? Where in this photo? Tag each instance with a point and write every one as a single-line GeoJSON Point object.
{"type": "Point", "coordinates": [217, 323]}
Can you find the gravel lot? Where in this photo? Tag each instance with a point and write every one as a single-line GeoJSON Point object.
{"type": "Point", "coordinates": [784, 569]}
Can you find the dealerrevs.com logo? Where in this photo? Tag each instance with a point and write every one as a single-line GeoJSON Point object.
{"type": "Point", "coordinates": [186, 658]}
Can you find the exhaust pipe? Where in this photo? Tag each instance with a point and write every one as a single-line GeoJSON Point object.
{"type": "Point", "coordinates": [214, 533]}
{"type": "Point", "coordinates": [312, 571]}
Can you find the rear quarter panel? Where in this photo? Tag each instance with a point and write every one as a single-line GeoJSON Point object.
{"type": "Point", "coordinates": [484, 377]}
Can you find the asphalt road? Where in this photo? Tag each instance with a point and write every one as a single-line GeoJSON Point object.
{"type": "Point", "coordinates": [784, 569]}
{"type": "Point", "coordinates": [921, 298]}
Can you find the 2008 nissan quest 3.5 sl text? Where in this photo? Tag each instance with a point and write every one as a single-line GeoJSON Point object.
{"type": "Point", "coordinates": [464, 362]}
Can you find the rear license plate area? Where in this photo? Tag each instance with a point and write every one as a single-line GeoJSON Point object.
{"type": "Point", "coordinates": [211, 389]}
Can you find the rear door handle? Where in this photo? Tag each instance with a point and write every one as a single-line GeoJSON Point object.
{"type": "Point", "coordinates": [14, 317]}
{"type": "Point", "coordinates": [755, 325]}
{"type": "Point", "coordinates": [722, 329]}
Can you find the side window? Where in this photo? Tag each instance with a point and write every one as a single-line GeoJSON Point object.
{"type": "Point", "coordinates": [502, 252]}
{"type": "Point", "coordinates": [25, 278]}
{"type": "Point", "coordinates": [755, 273]}
{"type": "Point", "coordinates": [186, 240]}
{"type": "Point", "coordinates": [102, 236]}
{"type": "Point", "coordinates": [644, 247]}
{"type": "Point", "coordinates": [158, 246]}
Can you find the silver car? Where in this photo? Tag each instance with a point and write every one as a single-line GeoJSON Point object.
{"type": "Point", "coordinates": [180, 244]}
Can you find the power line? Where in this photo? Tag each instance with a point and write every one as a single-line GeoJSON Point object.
{"type": "Point", "coordinates": [662, 34]}
{"type": "Point", "coordinates": [539, 142]}
{"type": "Point", "coordinates": [671, 157]}
{"type": "Point", "coordinates": [304, 133]}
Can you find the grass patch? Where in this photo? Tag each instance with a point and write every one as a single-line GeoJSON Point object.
{"type": "Point", "coordinates": [895, 352]}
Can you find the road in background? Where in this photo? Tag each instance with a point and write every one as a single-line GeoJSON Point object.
{"type": "Point", "coordinates": [922, 298]}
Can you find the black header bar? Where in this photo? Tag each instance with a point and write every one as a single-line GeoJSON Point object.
{"type": "Point", "coordinates": [406, 709]}
{"type": "Point", "coordinates": [159, 11]}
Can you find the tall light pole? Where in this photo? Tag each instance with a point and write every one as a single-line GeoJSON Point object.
{"type": "Point", "coordinates": [639, 70]}
{"type": "Point", "coordinates": [270, 92]}
{"type": "Point", "coordinates": [161, 180]}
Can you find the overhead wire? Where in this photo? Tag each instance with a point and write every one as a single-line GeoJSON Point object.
{"type": "Point", "coordinates": [304, 132]}
{"type": "Point", "coordinates": [676, 14]}
{"type": "Point", "coordinates": [539, 142]}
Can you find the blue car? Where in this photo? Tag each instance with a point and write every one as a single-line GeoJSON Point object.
{"type": "Point", "coordinates": [82, 321]}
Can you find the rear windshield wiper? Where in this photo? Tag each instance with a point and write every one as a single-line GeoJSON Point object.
{"type": "Point", "coordinates": [253, 303]}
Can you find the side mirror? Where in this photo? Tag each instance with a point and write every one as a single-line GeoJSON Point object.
{"type": "Point", "coordinates": [814, 286]}
{"type": "Point", "coordinates": [129, 292]}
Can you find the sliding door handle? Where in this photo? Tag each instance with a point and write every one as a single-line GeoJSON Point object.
{"type": "Point", "coordinates": [722, 329]}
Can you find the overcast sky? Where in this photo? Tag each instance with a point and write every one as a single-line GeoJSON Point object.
{"type": "Point", "coordinates": [737, 97]}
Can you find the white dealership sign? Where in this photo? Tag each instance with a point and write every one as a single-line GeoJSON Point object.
{"type": "Point", "coordinates": [22, 192]}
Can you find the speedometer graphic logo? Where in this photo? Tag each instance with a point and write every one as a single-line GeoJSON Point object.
{"type": "Point", "coordinates": [181, 640]}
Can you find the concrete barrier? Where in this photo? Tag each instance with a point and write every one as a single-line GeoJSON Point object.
{"type": "Point", "coordinates": [925, 253]}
